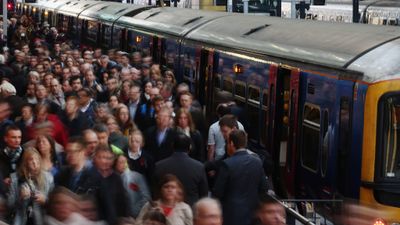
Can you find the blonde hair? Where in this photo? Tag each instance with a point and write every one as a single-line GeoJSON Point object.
{"type": "Point", "coordinates": [23, 170]}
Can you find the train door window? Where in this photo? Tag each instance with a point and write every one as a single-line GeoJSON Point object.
{"type": "Point", "coordinates": [217, 83]}
{"type": "Point", "coordinates": [325, 144]}
{"type": "Point", "coordinates": [253, 112]}
{"type": "Point", "coordinates": [92, 29]}
{"type": "Point", "coordinates": [170, 54]}
{"type": "Point", "coordinates": [344, 143]}
{"type": "Point", "coordinates": [227, 84]}
{"type": "Point", "coordinates": [265, 117]}
{"type": "Point", "coordinates": [310, 138]}
{"type": "Point", "coordinates": [106, 36]}
{"type": "Point", "coordinates": [240, 91]}
{"type": "Point", "coordinates": [117, 37]}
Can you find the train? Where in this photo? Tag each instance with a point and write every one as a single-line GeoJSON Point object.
{"type": "Point", "coordinates": [322, 98]}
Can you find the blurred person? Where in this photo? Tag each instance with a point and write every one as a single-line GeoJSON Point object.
{"type": "Point", "coordinates": [169, 202]}
{"type": "Point", "coordinates": [138, 159]}
{"type": "Point", "coordinates": [29, 189]}
{"type": "Point", "coordinates": [66, 73]}
{"type": "Point", "coordinates": [111, 195]}
{"type": "Point", "coordinates": [186, 102]}
{"type": "Point", "coordinates": [134, 101]}
{"type": "Point", "coordinates": [189, 171]}
{"type": "Point", "coordinates": [184, 124]}
{"type": "Point", "coordinates": [170, 77]}
{"type": "Point", "coordinates": [11, 154]}
{"type": "Point", "coordinates": [125, 123]}
{"type": "Point", "coordinates": [33, 77]}
{"type": "Point", "coordinates": [66, 86]}
{"type": "Point", "coordinates": [58, 70]}
{"type": "Point", "coordinates": [56, 93]}
{"type": "Point", "coordinates": [87, 104]}
{"type": "Point", "coordinates": [91, 142]}
{"type": "Point", "coordinates": [69, 62]}
{"type": "Point", "coordinates": [154, 217]}
{"type": "Point", "coordinates": [207, 211]}
{"type": "Point", "coordinates": [91, 82]}
{"type": "Point", "coordinates": [145, 71]}
{"type": "Point", "coordinates": [25, 120]}
{"type": "Point", "coordinates": [270, 212]}
{"type": "Point", "coordinates": [136, 59]}
{"type": "Point", "coordinates": [125, 62]}
{"type": "Point", "coordinates": [76, 84]}
{"type": "Point", "coordinates": [103, 133]}
{"type": "Point", "coordinates": [135, 74]}
{"type": "Point", "coordinates": [46, 146]}
{"type": "Point", "coordinates": [74, 119]}
{"type": "Point", "coordinates": [167, 92]}
{"type": "Point", "coordinates": [184, 88]}
{"type": "Point", "coordinates": [9, 94]}
{"type": "Point", "coordinates": [113, 103]}
{"type": "Point", "coordinates": [124, 93]}
{"type": "Point", "coordinates": [75, 71]}
{"type": "Point", "coordinates": [47, 78]}
{"type": "Point", "coordinates": [146, 114]}
{"type": "Point", "coordinates": [88, 207]}
{"type": "Point", "coordinates": [159, 138]}
{"type": "Point", "coordinates": [43, 98]}
{"type": "Point", "coordinates": [134, 183]}
{"type": "Point", "coordinates": [102, 112]}
{"type": "Point", "coordinates": [234, 187]}
{"type": "Point", "coordinates": [112, 89]}
{"type": "Point", "coordinates": [5, 121]}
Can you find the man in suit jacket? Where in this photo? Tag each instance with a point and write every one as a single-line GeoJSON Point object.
{"type": "Point", "coordinates": [189, 171]}
{"type": "Point", "coordinates": [159, 139]}
{"type": "Point", "coordinates": [240, 182]}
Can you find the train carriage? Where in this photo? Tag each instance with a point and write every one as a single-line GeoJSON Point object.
{"type": "Point", "coordinates": [322, 98]}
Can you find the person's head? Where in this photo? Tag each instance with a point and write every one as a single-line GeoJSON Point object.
{"type": "Point", "coordinates": [75, 72]}
{"type": "Point", "coordinates": [126, 74]}
{"type": "Point", "coordinates": [207, 211]}
{"type": "Point", "coordinates": [147, 86]}
{"type": "Point", "coordinates": [271, 212]}
{"type": "Point", "coordinates": [163, 118]}
{"type": "Point", "coordinates": [76, 83]}
{"type": "Point", "coordinates": [84, 95]}
{"type": "Point", "coordinates": [46, 64]}
{"type": "Point", "coordinates": [102, 133]}
{"type": "Point", "coordinates": [27, 112]}
{"type": "Point", "coordinates": [122, 114]}
{"type": "Point", "coordinates": [237, 140]}
{"type": "Point", "coordinates": [33, 77]}
{"type": "Point", "coordinates": [182, 142]}
{"type": "Point", "coordinates": [66, 86]}
{"type": "Point", "coordinates": [170, 77]}
{"type": "Point", "coordinates": [5, 110]}
{"type": "Point", "coordinates": [12, 137]}
{"type": "Point", "coordinates": [154, 92]}
{"type": "Point", "coordinates": [170, 188]}
{"type": "Point", "coordinates": [134, 93]}
{"type": "Point", "coordinates": [103, 158]}
{"type": "Point", "coordinates": [66, 73]}
{"type": "Point", "coordinates": [75, 152]}
{"type": "Point", "coordinates": [46, 146]}
{"type": "Point", "coordinates": [113, 101]}
{"type": "Point", "coordinates": [121, 164]}
{"type": "Point", "coordinates": [33, 61]}
{"type": "Point", "coordinates": [186, 99]}
{"type": "Point", "coordinates": [41, 112]}
{"type": "Point", "coordinates": [166, 91]}
{"type": "Point", "coordinates": [91, 141]}
{"type": "Point", "coordinates": [41, 92]}
{"type": "Point", "coordinates": [102, 111]}
{"type": "Point", "coordinates": [31, 164]}
{"type": "Point", "coordinates": [154, 217]}
{"type": "Point", "coordinates": [87, 207]}
{"type": "Point", "coordinates": [158, 103]}
{"type": "Point", "coordinates": [112, 84]}
{"type": "Point", "coordinates": [222, 110]}
{"type": "Point", "coordinates": [58, 68]}
{"type": "Point", "coordinates": [182, 87]}
{"type": "Point", "coordinates": [71, 105]}
{"type": "Point", "coordinates": [55, 86]}
{"type": "Point", "coordinates": [135, 74]}
{"type": "Point", "coordinates": [62, 203]}
{"type": "Point", "coordinates": [227, 124]}
{"type": "Point", "coordinates": [183, 119]}
{"type": "Point", "coordinates": [89, 76]}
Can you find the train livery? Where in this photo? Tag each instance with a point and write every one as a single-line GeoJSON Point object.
{"type": "Point", "coordinates": [322, 98]}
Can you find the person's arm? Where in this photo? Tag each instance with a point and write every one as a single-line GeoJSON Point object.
{"type": "Point", "coordinates": [210, 152]}
{"type": "Point", "coordinates": [221, 181]}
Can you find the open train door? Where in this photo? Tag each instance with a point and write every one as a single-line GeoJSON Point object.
{"type": "Point", "coordinates": [282, 124]}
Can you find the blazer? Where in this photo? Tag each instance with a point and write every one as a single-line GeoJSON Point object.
{"type": "Point", "coordinates": [162, 151]}
{"type": "Point", "coordinates": [240, 182]}
{"type": "Point", "coordinates": [189, 171]}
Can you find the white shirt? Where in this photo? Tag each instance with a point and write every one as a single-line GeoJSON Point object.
{"type": "Point", "coordinates": [215, 138]}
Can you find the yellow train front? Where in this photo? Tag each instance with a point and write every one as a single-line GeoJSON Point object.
{"type": "Point", "coordinates": [322, 98]}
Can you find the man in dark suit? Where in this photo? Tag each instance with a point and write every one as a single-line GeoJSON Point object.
{"type": "Point", "coordinates": [159, 139]}
{"type": "Point", "coordinates": [189, 171]}
{"type": "Point", "coordinates": [240, 182]}
{"type": "Point", "coordinates": [11, 155]}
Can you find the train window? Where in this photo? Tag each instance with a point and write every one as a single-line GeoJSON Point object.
{"type": "Point", "coordinates": [92, 30]}
{"type": "Point", "coordinates": [217, 82]}
{"type": "Point", "coordinates": [325, 144]}
{"type": "Point", "coordinates": [310, 138]}
{"type": "Point", "coordinates": [344, 146]}
{"type": "Point", "coordinates": [254, 94]}
{"type": "Point", "coordinates": [265, 99]}
{"type": "Point", "coordinates": [117, 35]}
{"type": "Point", "coordinates": [106, 35]}
{"type": "Point", "coordinates": [240, 90]}
{"type": "Point", "coordinates": [227, 84]}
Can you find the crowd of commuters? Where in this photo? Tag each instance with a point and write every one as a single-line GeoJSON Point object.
{"type": "Point", "coordinates": [94, 138]}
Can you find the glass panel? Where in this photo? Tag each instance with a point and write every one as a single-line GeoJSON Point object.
{"type": "Point", "coordinates": [391, 128]}
{"type": "Point", "coordinates": [240, 89]}
{"type": "Point", "coordinates": [117, 37]}
{"type": "Point", "coordinates": [92, 31]}
{"type": "Point", "coordinates": [325, 145]}
{"type": "Point", "coordinates": [310, 140]}
{"type": "Point", "coordinates": [227, 85]}
{"type": "Point", "coordinates": [254, 94]}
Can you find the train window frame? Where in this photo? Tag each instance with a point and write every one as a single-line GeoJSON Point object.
{"type": "Point", "coordinates": [265, 100]}
{"type": "Point", "coordinates": [325, 143]}
{"type": "Point", "coordinates": [217, 82]}
{"type": "Point", "coordinates": [240, 85]}
{"type": "Point", "coordinates": [316, 127]}
{"type": "Point", "coordinates": [249, 96]}
{"type": "Point", "coordinates": [227, 79]}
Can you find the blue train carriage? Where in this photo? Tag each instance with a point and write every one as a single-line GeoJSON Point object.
{"type": "Point", "coordinates": [311, 93]}
{"type": "Point", "coordinates": [159, 32]}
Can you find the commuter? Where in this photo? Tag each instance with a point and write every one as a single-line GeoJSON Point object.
{"type": "Point", "coordinates": [91, 142]}
{"type": "Point", "coordinates": [11, 154]}
{"type": "Point", "coordinates": [189, 171]}
{"type": "Point", "coordinates": [169, 203]}
{"type": "Point", "coordinates": [5, 121]}
{"type": "Point", "coordinates": [103, 134]}
{"type": "Point", "coordinates": [87, 104]}
{"type": "Point", "coordinates": [134, 101]}
{"type": "Point", "coordinates": [240, 181]}
{"type": "Point", "coordinates": [25, 120]}
{"type": "Point", "coordinates": [29, 188]}
{"type": "Point", "coordinates": [159, 139]}
{"type": "Point", "coordinates": [135, 184]}
{"type": "Point", "coordinates": [184, 123]}
{"type": "Point", "coordinates": [138, 159]}
{"type": "Point", "coordinates": [186, 100]}
{"type": "Point", "coordinates": [125, 123]}
{"type": "Point", "coordinates": [116, 137]}
{"type": "Point", "coordinates": [9, 94]}
{"type": "Point", "coordinates": [111, 195]}
{"type": "Point", "coordinates": [57, 95]}
{"type": "Point", "coordinates": [270, 212]}
{"type": "Point", "coordinates": [46, 146]}
{"type": "Point", "coordinates": [154, 217]}
{"type": "Point", "coordinates": [207, 211]}
{"type": "Point", "coordinates": [146, 112]}
{"type": "Point", "coordinates": [76, 176]}
{"type": "Point", "coordinates": [125, 87]}
{"type": "Point", "coordinates": [42, 97]}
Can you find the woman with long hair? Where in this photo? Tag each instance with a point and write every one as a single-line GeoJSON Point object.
{"type": "Point", "coordinates": [170, 203]}
{"type": "Point", "coordinates": [46, 146]}
{"type": "Point", "coordinates": [185, 124]}
{"type": "Point", "coordinates": [124, 121]}
{"type": "Point", "coordinates": [29, 189]}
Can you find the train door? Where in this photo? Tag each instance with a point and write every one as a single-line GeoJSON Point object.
{"type": "Point", "coordinates": [283, 116]}
{"type": "Point", "coordinates": [203, 64]}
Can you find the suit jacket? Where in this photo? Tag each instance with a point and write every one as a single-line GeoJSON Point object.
{"type": "Point", "coordinates": [85, 184]}
{"type": "Point", "coordinates": [162, 151]}
{"type": "Point", "coordinates": [240, 182]}
{"type": "Point", "coordinates": [189, 171]}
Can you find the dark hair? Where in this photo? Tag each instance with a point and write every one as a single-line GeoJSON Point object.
{"type": "Point", "coordinates": [182, 142]}
{"type": "Point", "coordinates": [228, 120]}
{"type": "Point", "coordinates": [53, 154]}
{"type": "Point", "coordinates": [11, 127]}
{"type": "Point", "coordinates": [222, 110]}
{"type": "Point", "coordinates": [56, 192]}
{"type": "Point", "coordinates": [100, 128]}
{"type": "Point", "coordinates": [87, 91]}
{"type": "Point", "coordinates": [155, 215]}
{"type": "Point", "coordinates": [170, 178]}
{"type": "Point", "coordinates": [238, 138]}
{"type": "Point", "coordinates": [77, 140]}
{"type": "Point", "coordinates": [104, 148]}
{"type": "Point", "coordinates": [73, 78]}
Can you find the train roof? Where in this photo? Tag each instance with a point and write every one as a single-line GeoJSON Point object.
{"type": "Point", "coordinates": [111, 11]}
{"type": "Point", "coordinates": [52, 4]}
{"type": "Point", "coordinates": [173, 21]}
{"type": "Point", "coordinates": [73, 8]}
{"type": "Point", "coordinates": [316, 42]}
